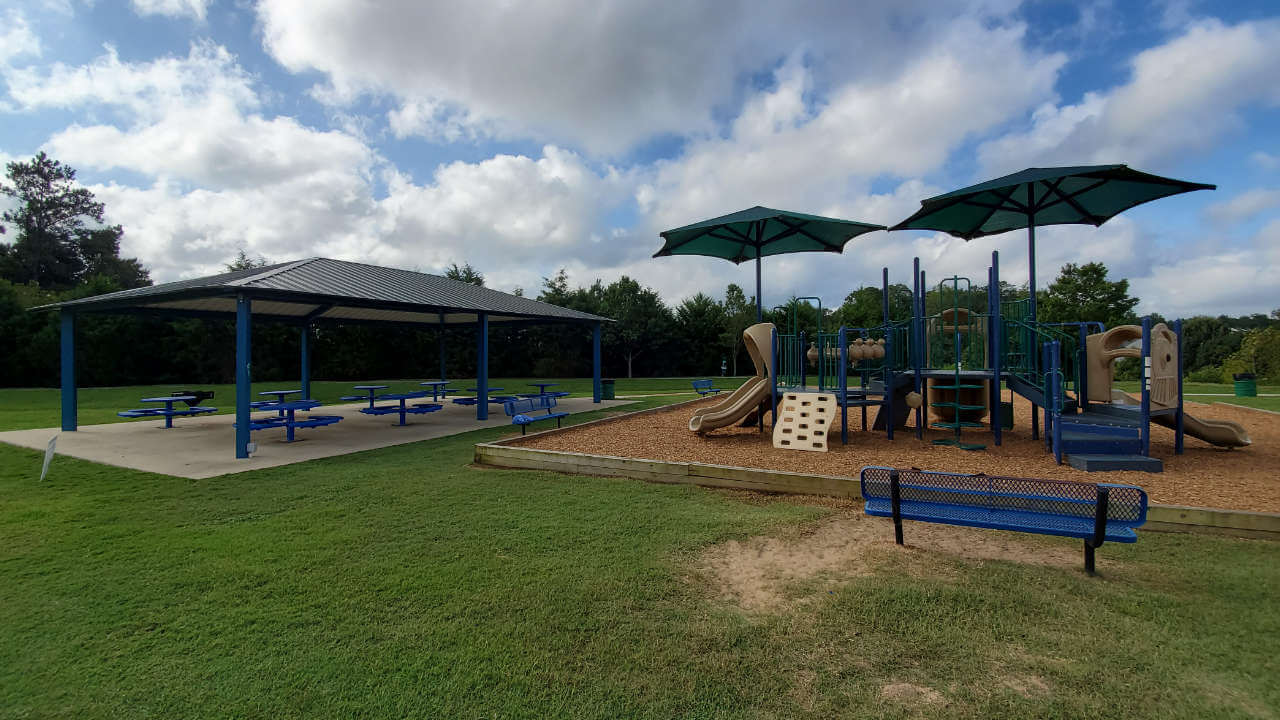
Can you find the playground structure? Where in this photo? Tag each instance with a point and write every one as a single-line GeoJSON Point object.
{"type": "Point", "coordinates": [949, 361]}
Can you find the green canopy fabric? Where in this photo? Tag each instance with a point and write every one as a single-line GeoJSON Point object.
{"type": "Point", "coordinates": [1084, 195]}
{"type": "Point", "coordinates": [759, 232]}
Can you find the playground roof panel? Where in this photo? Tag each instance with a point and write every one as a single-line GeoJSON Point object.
{"type": "Point", "coordinates": [325, 289]}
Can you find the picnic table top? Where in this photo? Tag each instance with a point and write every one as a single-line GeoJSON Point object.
{"type": "Point", "coordinates": [281, 393]}
{"type": "Point", "coordinates": [403, 396]}
{"type": "Point", "coordinates": [371, 387]}
{"type": "Point", "coordinates": [293, 405]}
{"type": "Point", "coordinates": [169, 398]}
{"type": "Point", "coordinates": [434, 382]}
{"type": "Point", "coordinates": [543, 385]}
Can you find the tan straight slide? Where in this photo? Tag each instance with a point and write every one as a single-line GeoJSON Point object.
{"type": "Point", "coordinates": [1222, 433]}
{"type": "Point", "coordinates": [750, 394]}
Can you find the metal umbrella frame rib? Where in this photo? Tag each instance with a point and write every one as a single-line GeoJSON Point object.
{"type": "Point", "coordinates": [748, 235]}
{"type": "Point", "coordinates": [1045, 196]}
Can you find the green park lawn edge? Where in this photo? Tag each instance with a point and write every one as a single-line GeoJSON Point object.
{"type": "Point", "coordinates": [404, 582]}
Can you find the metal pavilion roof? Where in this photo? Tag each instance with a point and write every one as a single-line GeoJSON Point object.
{"type": "Point", "coordinates": [325, 289]}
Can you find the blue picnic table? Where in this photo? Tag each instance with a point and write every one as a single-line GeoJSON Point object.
{"type": "Point", "coordinates": [288, 420]}
{"type": "Point", "coordinates": [439, 388]}
{"type": "Point", "coordinates": [279, 396]}
{"type": "Point", "coordinates": [168, 413]}
{"type": "Point", "coordinates": [493, 399]}
{"type": "Point", "coordinates": [542, 386]}
{"type": "Point", "coordinates": [403, 410]}
{"type": "Point", "coordinates": [370, 389]}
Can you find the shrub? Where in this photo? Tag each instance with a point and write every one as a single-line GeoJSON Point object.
{"type": "Point", "coordinates": [1210, 374]}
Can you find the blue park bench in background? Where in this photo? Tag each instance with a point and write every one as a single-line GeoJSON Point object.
{"type": "Point", "coordinates": [1094, 512]}
{"type": "Point", "coordinates": [522, 411]}
{"type": "Point", "coordinates": [168, 412]}
{"type": "Point", "coordinates": [703, 387]}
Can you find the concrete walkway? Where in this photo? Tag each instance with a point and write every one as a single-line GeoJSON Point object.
{"type": "Point", "coordinates": [204, 447]}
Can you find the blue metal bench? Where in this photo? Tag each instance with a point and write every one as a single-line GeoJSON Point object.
{"type": "Point", "coordinates": [310, 421]}
{"type": "Point", "coordinates": [1094, 512]}
{"type": "Point", "coordinates": [521, 411]}
{"type": "Point", "coordinates": [703, 387]}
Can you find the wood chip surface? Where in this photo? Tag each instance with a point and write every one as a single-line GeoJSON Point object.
{"type": "Point", "coordinates": [1203, 476]}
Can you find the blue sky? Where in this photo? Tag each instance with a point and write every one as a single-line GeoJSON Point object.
{"type": "Point", "coordinates": [523, 138]}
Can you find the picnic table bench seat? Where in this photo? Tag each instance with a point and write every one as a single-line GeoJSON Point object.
{"type": "Point", "coordinates": [162, 412]}
{"type": "Point", "coordinates": [1093, 512]}
{"type": "Point", "coordinates": [522, 411]}
{"type": "Point", "coordinates": [554, 394]}
{"type": "Point", "coordinates": [417, 409]}
{"type": "Point", "coordinates": [499, 399]}
{"type": "Point", "coordinates": [704, 387]}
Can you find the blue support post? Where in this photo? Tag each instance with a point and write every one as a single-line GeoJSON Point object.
{"type": "Point", "coordinates": [843, 385]}
{"type": "Point", "coordinates": [596, 389]}
{"type": "Point", "coordinates": [995, 327]}
{"type": "Point", "coordinates": [440, 339]}
{"type": "Point", "coordinates": [917, 341]}
{"type": "Point", "coordinates": [482, 366]}
{"type": "Point", "coordinates": [889, 384]}
{"type": "Point", "coordinates": [306, 361]}
{"type": "Point", "coordinates": [1082, 368]}
{"type": "Point", "coordinates": [804, 363]}
{"type": "Point", "coordinates": [244, 331]}
{"type": "Point", "coordinates": [1144, 383]}
{"type": "Point", "coordinates": [69, 404]}
{"type": "Point", "coordinates": [1178, 430]}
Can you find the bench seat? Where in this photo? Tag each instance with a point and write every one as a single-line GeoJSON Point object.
{"type": "Point", "coordinates": [419, 409]}
{"type": "Point", "coordinates": [999, 519]}
{"type": "Point", "coordinates": [522, 410]}
{"type": "Point", "coordinates": [161, 412]}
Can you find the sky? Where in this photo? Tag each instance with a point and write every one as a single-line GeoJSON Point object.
{"type": "Point", "coordinates": [527, 137]}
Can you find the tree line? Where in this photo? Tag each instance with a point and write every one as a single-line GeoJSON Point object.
{"type": "Point", "coordinates": [61, 249]}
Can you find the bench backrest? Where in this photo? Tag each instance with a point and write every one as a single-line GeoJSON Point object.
{"type": "Point", "coordinates": [1126, 505]}
{"type": "Point", "coordinates": [701, 384]}
{"type": "Point", "coordinates": [528, 405]}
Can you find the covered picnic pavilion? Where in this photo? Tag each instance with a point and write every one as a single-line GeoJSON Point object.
{"type": "Point", "coordinates": [321, 290]}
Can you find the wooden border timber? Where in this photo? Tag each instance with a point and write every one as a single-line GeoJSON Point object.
{"type": "Point", "coordinates": [508, 454]}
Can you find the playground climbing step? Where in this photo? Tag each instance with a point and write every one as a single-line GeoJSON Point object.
{"type": "Point", "coordinates": [804, 420]}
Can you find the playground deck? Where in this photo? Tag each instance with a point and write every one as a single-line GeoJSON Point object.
{"type": "Point", "coordinates": [1205, 476]}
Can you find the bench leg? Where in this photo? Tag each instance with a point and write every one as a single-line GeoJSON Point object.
{"type": "Point", "coordinates": [895, 499]}
{"type": "Point", "coordinates": [523, 428]}
{"type": "Point", "coordinates": [1088, 557]}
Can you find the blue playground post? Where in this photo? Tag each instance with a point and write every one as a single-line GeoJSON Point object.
{"type": "Point", "coordinates": [1178, 428]}
{"type": "Point", "coordinates": [843, 385]}
{"type": "Point", "coordinates": [917, 342]}
{"type": "Point", "coordinates": [482, 367]}
{"type": "Point", "coordinates": [1144, 380]}
{"type": "Point", "coordinates": [68, 350]}
{"type": "Point", "coordinates": [306, 361]}
{"type": "Point", "coordinates": [993, 341]}
{"type": "Point", "coordinates": [244, 328]}
{"type": "Point", "coordinates": [596, 389]}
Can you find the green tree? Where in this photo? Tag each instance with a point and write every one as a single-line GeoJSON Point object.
{"type": "Point", "coordinates": [642, 324]}
{"type": "Point", "coordinates": [700, 323]}
{"type": "Point", "coordinates": [1259, 354]}
{"type": "Point", "coordinates": [740, 314]}
{"type": "Point", "coordinates": [466, 274]}
{"type": "Point", "coordinates": [60, 239]}
{"type": "Point", "coordinates": [245, 261]}
{"type": "Point", "coordinates": [1083, 292]}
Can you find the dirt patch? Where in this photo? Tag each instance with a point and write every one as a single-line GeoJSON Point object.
{"type": "Point", "coordinates": [911, 695]}
{"type": "Point", "coordinates": [1204, 476]}
{"type": "Point", "coordinates": [1028, 686]}
{"type": "Point", "coordinates": [768, 574]}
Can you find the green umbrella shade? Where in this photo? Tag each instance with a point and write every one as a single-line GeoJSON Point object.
{"type": "Point", "coordinates": [761, 232]}
{"type": "Point", "coordinates": [1087, 195]}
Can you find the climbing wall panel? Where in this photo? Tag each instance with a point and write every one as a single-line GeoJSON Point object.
{"type": "Point", "coordinates": [804, 420]}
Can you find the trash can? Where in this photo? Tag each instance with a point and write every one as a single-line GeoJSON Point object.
{"type": "Point", "coordinates": [1246, 385]}
{"type": "Point", "coordinates": [606, 390]}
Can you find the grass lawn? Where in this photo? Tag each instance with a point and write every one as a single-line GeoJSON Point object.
{"type": "Point", "coordinates": [404, 583]}
{"type": "Point", "coordinates": [22, 408]}
{"type": "Point", "coordinates": [1219, 392]}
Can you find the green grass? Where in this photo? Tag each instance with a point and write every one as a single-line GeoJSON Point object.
{"type": "Point", "coordinates": [25, 408]}
{"type": "Point", "coordinates": [404, 583]}
{"type": "Point", "coordinates": [1219, 392]}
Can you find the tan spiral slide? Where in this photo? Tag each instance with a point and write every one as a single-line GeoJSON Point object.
{"type": "Point", "coordinates": [741, 402]}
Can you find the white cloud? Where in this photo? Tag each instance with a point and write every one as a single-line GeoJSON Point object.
{"type": "Point", "coordinates": [1181, 96]}
{"type": "Point", "coordinates": [600, 76]}
{"type": "Point", "coordinates": [1265, 160]}
{"type": "Point", "coordinates": [1244, 206]}
{"type": "Point", "coordinates": [172, 8]}
{"type": "Point", "coordinates": [17, 39]}
{"type": "Point", "coordinates": [1218, 279]}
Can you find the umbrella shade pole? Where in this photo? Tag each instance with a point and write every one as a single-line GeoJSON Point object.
{"type": "Point", "coordinates": [759, 308]}
{"type": "Point", "coordinates": [1031, 264]}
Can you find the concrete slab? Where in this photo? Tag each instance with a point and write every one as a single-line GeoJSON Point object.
{"type": "Point", "coordinates": [204, 446]}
